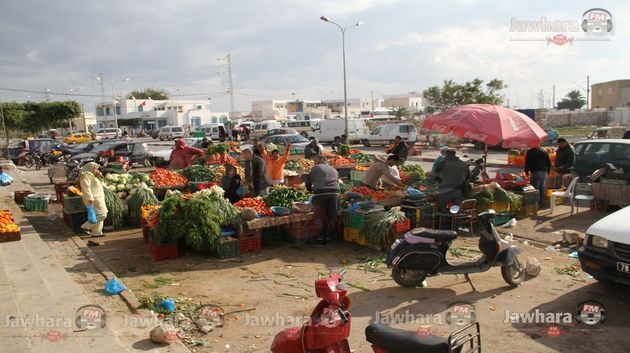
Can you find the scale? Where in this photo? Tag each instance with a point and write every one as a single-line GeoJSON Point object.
{"type": "Point", "coordinates": [364, 211]}
{"type": "Point", "coordinates": [415, 202]}
{"type": "Point", "coordinates": [525, 188]}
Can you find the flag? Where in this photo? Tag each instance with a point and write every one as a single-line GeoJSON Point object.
{"type": "Point", "coordinates": [143, 103]}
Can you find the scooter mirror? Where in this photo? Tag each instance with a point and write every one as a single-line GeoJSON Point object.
{"type": "Point", "coordinates": [454, 209]}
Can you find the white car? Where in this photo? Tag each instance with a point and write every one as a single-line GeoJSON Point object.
{"type": "Point", "coordinates": [385, 134]}
{"type": "Point", "coordinates": [162, 157]}
{"type": "Point", "coordinates": [605, 254]}
{"type": "Point", "coordinates": [170, 132]}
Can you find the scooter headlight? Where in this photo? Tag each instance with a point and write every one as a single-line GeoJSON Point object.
{"type": "Point", "coordinates": [395, 244]}
{"type": "Point", "coordinates": [599, 242]}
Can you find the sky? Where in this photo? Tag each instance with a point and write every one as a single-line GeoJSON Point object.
{"type": "Point", "coordinates": [280, 49]}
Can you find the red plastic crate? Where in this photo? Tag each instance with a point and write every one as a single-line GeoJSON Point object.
{"type": "Point", "coordinates": [13, 236]}
{"type": "Point", "coordinates": [161, 252]}
{"type": "Point", "coordinates": [250, 241]}
{"type": "Point", "coordinates": [145, 233]}
{"type": "Point", "coordinates": [402, 226]}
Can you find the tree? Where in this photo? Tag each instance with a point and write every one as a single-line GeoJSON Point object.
{"type": "Point", "coordinates": [35, 116]}
{"type": "Point", "coordinates": [452, 94]}
{"type": "Point", "coordinates": [573, 100]}
{"type": "Point", "coordinates": [399, 112]}
{"type": "Point", "coordinates": [157, 94]}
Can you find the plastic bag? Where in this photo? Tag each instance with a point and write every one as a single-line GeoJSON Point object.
{"type": "Point", "coordinates": [168, 304]}
{"type": "Point", "coordinates": [240, 191]}
{"type": "Point", "coordinates": [91, 214]}
{"type": "Point", "coordinates": [113, 286]}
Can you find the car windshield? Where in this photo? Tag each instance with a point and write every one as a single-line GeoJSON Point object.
{"type": "Point", "coordinates": [82, 146]}
{"type": "Point", "coordinates": [103, 147]}
{"type": "Point", "coordinates": [177, 129]}
{"type": "Point", "coordinates": [297, 139]}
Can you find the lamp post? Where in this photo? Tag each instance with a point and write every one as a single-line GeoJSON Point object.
{"type": "Point", "coordinates": [99, 78]}
{"type": "Point", "coordinates": [343, 53]}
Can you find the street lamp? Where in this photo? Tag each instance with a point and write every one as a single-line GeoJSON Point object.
{"type": "Point", "coordinates": [343, 52]}
{"type": "Point", "coordinates": [99, 78]}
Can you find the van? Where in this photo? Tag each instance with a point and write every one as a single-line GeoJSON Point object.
{"type": "Point", "coordinates": [385, 134]}
{"type": "Point", "coordinates": [330, 130]}
{"type": "Point", "coordinates": [262, 128]}
{"type": "Point", "coordinates": [212, 131]}
{"type": "Point", "coordinates": [591, 155]}
{"type": "Point", "coordinates": [108, 133]}
{"type": "Point", "coordinates": [170, 132]}
{"type": "Point", "coordinates": [303, 127]}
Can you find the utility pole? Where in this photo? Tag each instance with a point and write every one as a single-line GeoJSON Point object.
{"type": "Point", "coordinates": [101, 82]}
{"type": "Point", "coordinates": [371, 104]}
{"type": "Point", "coordinates": [85, 127]}
{"type": "Point", "coordinates": [553, 99]}
{"type": "Point", "coordinates": [588, 91]}
{"type": "Point", "coordinates": [230, 82]}
{"type": "Point", "coordinates": [4, 133]}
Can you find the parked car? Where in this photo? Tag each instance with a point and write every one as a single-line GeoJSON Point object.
{"type": "Point", "coordinates": [153, 133]}
{"type": "Point", "coordinates": [385, 134]}
{"type": "Point", "coordinates": [298, 142]}
{"type": "Point", "coordinates": [37, 145]}
{"type": "Point", "coordinates": [211, 131]}
{"type": "Point", "coordinates": [330, 130]}
{"type": "Point", "coordinates": [85, 147]}
{"type": "Point", "coordinates": [108, 133]}
{"type": "Point", "coordinates": [591, 155]}
{"type": "Point", "coordinates": [262, 128]}
{"type": "Point", "coordinates": [170, 132]}
{"type": "Point", "coordinates": [137, 152]}
{"type": "Point", "coordinates": [77, 138]}
{"type": "Point", "coordinates": [283, 131]}
{"type": "Point", "coordinates": [162, 158]}
{"type": "Point", "coordinates": [605, 254]}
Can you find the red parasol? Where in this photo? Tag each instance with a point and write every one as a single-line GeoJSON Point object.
{"type": "Point", "coordinates": [491, 124]}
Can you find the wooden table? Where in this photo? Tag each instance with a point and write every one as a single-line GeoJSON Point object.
{"type": "Point", "coordinates": [267, 222]}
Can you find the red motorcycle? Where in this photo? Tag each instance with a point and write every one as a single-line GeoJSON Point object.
{"type": "Point", "coordinates": [329, 329]}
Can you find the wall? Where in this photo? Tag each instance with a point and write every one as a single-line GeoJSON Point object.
{"type": "Point", "coordinates": [565, 118]}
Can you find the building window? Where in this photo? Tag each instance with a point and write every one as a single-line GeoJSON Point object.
{"type": "Point", "coordinates": [118, 110]}
{"type": "Point", "coordinates": [99, 111]}
{"type": "Point", "coordinates": [107, 111]}
{"type": "Point", "coordinates": [198, 107]}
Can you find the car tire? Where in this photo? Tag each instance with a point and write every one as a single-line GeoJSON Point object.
{"type": "Point", "coordinates": [366, 142]}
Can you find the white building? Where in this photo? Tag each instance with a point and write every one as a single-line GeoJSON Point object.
{"type": "Point", "coordinates": [412, 101]}
{"type": "Point", "coordinates": [270, 109]}
{"type": "Point", "coordinates": [355, 106]}
{"type": "Point", "coordinates": [158, 113]}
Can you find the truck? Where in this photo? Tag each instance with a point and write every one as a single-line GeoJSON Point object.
{"type": "Point", "coordinates": [330, 130]}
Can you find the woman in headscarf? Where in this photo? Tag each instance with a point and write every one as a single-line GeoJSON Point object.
{"type": "Point", "coordinates": [231, 183]}
{"type": "Point", "coordinates": [183, 156]}
{"type": "Point", "coordinates": [93, 194]}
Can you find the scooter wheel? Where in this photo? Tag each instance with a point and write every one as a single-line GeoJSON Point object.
{"type": "Point", "coordinates": [28, 163]}
{"type": "Point", "coordinates": [513, 274]}
{"type": "Point", "coordinates": [38, 165]}
{"type": "Point", "coordinates": [408, 278]}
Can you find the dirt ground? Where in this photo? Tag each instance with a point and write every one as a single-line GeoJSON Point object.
{"type": "Point", "coordinates": [277, 283]}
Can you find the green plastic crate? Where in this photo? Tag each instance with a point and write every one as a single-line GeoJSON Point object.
{"type": "Point", "coordinates": [227, 248]}
{"type": "Point", "coordinates": [353, 220]}
{"type": "Point", "coordinates": [356, 175]}
{"type": "Point", "coordinates": [35, 204]}
{"type": "Point", "coordinates": [271, 235]}
{"type": "Point", "coordinates": [73, 204]}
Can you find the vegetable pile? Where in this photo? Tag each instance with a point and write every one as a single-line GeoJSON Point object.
{"type": "Point", "coordinates": [373, 194]}
{"type": "Point", "coordinates": [344, 150]}
{"type": "Point", "coordinates": [138, 198]}
{"type": "Point", "coordinates": [198, 173]}
{"type": "Point", "coordinates": [150, 214]}
{"type": "Point", "coordinates": [340, 161]}
{"type": "Point", "coordinates": [413, 171]}
{"type": "Point", "coordinates": [285, 196]}
{"type": "Point", "coordinates": [360, 158]}
{"type": "Point", "coordinates": [377, 225]}
{"type": "Point", "coordinates": [122, 183]}
{"type": "Point", "coordinates": [221, 159]}
{"type": "Point", "coordinates": [7, 223]}
{"type": "Point", "coordinates": [362, 168]}
{"type": "Point", "coordinates": [115, 208]}
{"type": "Point", "coordinates": [217, 148]}
{"type": "Point", "coordinates": [257, 204]}
{"type": "Point", "coordinates": [166, 178]}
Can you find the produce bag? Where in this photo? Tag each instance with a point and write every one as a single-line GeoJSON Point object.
{"type": "Point", "coordinates": [91, 214]}
{"type": "Point", "coordinates": [113, 286]}
{"type": "Point", "coordinates": [168, 304]}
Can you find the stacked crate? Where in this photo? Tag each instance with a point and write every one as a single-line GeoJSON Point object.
{"type": "Point", "coordinates": [423, 216]}
{"type": "Point", "coordinates": [352, 223]}
{"type": "Point", "coordinates": [74, 213]}
{"type": "Point", "coordinates": [529, 206]}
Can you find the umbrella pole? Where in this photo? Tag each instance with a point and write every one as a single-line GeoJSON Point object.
{"type": "Point", "coordinates": [485, 156]}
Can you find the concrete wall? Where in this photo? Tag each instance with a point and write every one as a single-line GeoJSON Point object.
{"type": "Point", "coordinates": [566, 118]}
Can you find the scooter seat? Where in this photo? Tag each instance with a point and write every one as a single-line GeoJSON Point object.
{"type": "Point", "coordinates": [439, 235]}
{"type": "Point", "coordinates": [401, 341]}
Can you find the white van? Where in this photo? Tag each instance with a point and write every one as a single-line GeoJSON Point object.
{"type": "Point", "coordinates": [170, 133]}
{"type": "Point", "coordinates": [262, 128]}
{"type": "Point", "coordinates": [385, 134]}
{"type": "Point", "coordinates": [330, 130]}
{"type": "Point", "coordinates": [212, 131]}
{"type": "Point", "coordinates": [303, 127]}
{"type": "Point", "coordinates": [108, 133]}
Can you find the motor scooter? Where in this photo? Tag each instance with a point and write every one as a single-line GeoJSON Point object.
{"type": "Point", "coordinates": [25, 158]}
{"type": "Point", "coordinates": [422, 253]}
{"type": "Point", "coordinates": [329, 328]}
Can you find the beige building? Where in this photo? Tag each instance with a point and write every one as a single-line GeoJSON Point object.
{"type": "Point", "coordinates": [412, 101]}
{"type": "Point", "coordinates": [611, 94]}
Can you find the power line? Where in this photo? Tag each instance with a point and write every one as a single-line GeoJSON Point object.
{"type": "Point", "coordinates": [221, 93]}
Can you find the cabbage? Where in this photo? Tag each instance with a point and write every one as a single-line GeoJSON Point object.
{"type": "Point", "coordinates": [120, 187]}
{"type": "Point", "coordinates": [145, 178]}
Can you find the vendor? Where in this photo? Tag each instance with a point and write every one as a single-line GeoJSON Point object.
{"type": "Point", "coordinates": [93, 195]}
{"type": "Point", "coordinates": [205, 142]}
{"type": "Point", "coordinates": [275, 163]}
{"type": "Point", "coordinates": [453, 174]}
{"type": "Point", "coordinates": [322, 181]}
{"type": "Point", "coordinates": [183, 156]}
{"type": "Point", "coordinates": [383, 172]}
{"type": "Point", "coordinates": [439, 160]}
{"type": "Point", "coordinates": [232, 184]}
{"type": "Point", "coordinates": [565, 157]}
{"type": "Point", "coordinates": [312, 149]}
{"type": "Point", "coordinates": [537, 166]}
{"type": "Point", "coordinates": [400, 149]}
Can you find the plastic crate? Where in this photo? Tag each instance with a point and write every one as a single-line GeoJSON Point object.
{"type": "Point", "coordinates": [271, 235]}
{"type": "Point", "coordinates": [293, 180]}
{"type": "Point", "coordinates": [362, 240]}
{"type": "Point", "coordinates": [529, 197]}
{"type": "Point", "coordinates": [146, 234]}
{"type": "Point", "coordinates": [36, 204]}
{"type": "Point", "coordinates": [403, 226]}
{"type": "Point", "coordinates": [73, 204]}
{"type": "Point", "coordinates": [228, 232]}
{"type": "Point", "coordinates": [353, 220]}
{"type": "Point", "coordinates": [357, 175]}
{"type": "Point", "coordinates": [527, 211]}
{"type": "Point", "coordinates": [228, 247]}
{"type": "Point", "coordinates": [19, 196]}
{"type": "Point", "coordinates": [420, 216]}
{"type": "Point", "coordinates": [160, 252]}
{"type": "Point", "coordinates": [349, 234]}
{"type": "Point", "coordinates": [74, 221]}
{"type": "Point", "coordinates": [12, 236]}
{"type": "Point", "coordinates": [250, 241]}
{"type": "Point", "coordinates": [501, 219]}
{"type": "Point", "coordinates": [303, 229]}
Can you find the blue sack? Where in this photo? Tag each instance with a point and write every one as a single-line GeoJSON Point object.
{"type": "Point", "coordinates": [91, 214]}
{"type": "Point", "coordinates": [113, 286]}
{"type": "Point", "coordinates": [168, 304]}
